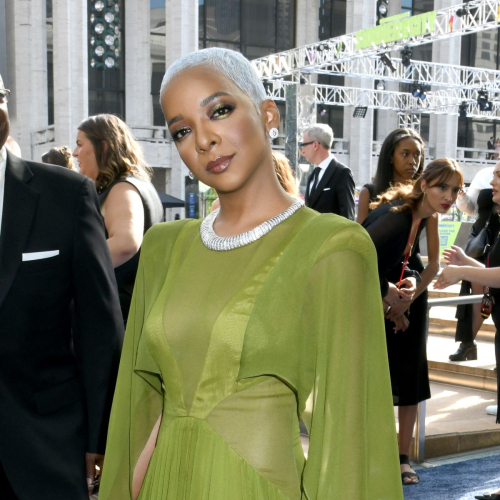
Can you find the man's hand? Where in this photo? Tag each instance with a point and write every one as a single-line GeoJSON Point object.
{"type": "Point", "coordinates": [93, 463]}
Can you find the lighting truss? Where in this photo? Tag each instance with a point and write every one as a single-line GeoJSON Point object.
{"type": "Point", "coordinates": [435, 74]}
{"type": "Point", "coordinates": [441, 102]}
{"type": "Point", "coordinates": [481, 15]}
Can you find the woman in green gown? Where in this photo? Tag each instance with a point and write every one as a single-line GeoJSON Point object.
{"type": "Point", "coordinates": [238, 320]}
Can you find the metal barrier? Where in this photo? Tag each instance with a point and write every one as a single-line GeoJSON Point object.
{"type": "Point", "coordinates": [419, 443]}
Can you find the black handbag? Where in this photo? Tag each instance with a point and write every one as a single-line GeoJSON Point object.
{"type": "Point", "coordinates": [476, 245]}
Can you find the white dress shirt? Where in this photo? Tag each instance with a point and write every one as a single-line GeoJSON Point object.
{"type": "Point", "coordinates": [3, 167]}
{"type": "Point", "coordinates": [467, 203]}
{"type": "Point", "coordinates": [323, 166]}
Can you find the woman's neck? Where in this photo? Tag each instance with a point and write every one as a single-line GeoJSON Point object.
{"type": "Point", "coordinates": [250, 206]}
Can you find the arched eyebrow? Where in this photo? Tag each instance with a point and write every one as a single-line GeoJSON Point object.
{"type": "Point", "coordinates": [202, 104]}
{"type": "Point", "coordinates": [210, 98]}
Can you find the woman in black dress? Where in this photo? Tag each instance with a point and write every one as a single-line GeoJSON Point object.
{"type": "Point", "coordinates": [462, 267]}
{"type": "Point", "coordinates": [394, 225]}
{"type": "Point", "coordinates": [108, 154]}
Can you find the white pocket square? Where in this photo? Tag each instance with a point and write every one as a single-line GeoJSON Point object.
{"type": "Point", "coordinates": [39, 255]}
{"type": "Point", "coordinates": [326, 189]}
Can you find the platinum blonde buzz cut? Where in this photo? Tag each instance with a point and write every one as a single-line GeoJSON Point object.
{"type": "Point", "coordinates": [229, 63]}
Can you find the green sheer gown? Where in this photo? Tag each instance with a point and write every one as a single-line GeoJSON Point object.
{"type": "Point", "coordinates": [229, 346]}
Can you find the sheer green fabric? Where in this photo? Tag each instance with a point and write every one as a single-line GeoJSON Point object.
{"type": "Point", "coordinates": [228, 346]}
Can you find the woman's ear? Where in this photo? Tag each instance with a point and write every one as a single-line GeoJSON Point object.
{"type": "Point", "coordinates": [270, 114]}
{"type": "Point", "coordinates": [423, 185]}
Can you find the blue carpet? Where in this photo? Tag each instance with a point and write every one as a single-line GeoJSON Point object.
{"type": "Point", "coordinates": [457, 481]}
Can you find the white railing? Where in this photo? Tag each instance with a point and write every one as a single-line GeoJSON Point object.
{"type": "Point", "coordinates": [151, 133]}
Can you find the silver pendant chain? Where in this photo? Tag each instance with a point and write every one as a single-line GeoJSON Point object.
{"type": "Point", "coordinates": [222, 243]}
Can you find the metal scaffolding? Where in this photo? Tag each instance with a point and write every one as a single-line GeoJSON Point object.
{"type": "Point", "coordinates": [425, 28]}
{"type": "Point", "coordinates": [441, 102]}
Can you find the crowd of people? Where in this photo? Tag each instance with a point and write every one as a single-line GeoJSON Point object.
{"type": "Point", "coordinates": [238, 326]}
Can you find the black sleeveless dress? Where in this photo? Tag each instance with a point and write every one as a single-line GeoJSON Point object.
{"type": "Point", "coordinates": [153, 213]}
{"type": "Point", "coordinates": [407, 350]}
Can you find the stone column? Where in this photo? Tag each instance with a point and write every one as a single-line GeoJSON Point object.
{"type": "Point", "coordinates": [444, 129]}
{"type": "Point", "coordinates": [26, 69]}
{"type": "Point", "coordinates": [359, 131]}
{"type": "Point", "coordinates": [180, 39]}
{"type": "Point", "coordinates": [71, 80]}
{"type": "Point", "coordinates": [306, 25]}
{"type": "Point", "coordinates": [138, 63]}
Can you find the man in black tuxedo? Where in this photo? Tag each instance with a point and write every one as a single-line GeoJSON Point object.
{"type": "Point", "coordinates": [330, 188]}
{"type": "Point", "coordinates": [56, 387]}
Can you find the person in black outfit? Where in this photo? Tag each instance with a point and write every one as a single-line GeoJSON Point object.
{"type": "Point", "coordinates": [109, 155]}
{"type": "Point", "coordinates": [462, 267]}
{"type": "Point", "coordinates": [491, 146]}
{"type": "Point", "coordinates": [476, 202]}
{"type": "Point", "coordinates": [330, 188]}
{"type": "Point", "coordinates": [394, 226]}
{"type": "Point", "coordinates": [56, 384]}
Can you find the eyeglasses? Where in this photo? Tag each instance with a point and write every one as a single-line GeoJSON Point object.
{"type": "Point", "coordinates": [4, 96]}
{"type": "Point", "coordinates": [302, 144]}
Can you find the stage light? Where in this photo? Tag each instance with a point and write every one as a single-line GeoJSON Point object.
{"type": "Point", "coordinates": [406, 54]}
{"type": "Point", "coordinates": [382, 10]}
{"type": "Point", "coordinates": [483, 102]}
{"type": "Point", "coordinates": [322, 111]}
{"type": "Point", "coordinates": [380, 85]}
{"type": "Point", "coordinates": [104, 41]}
{"type": "Point", "coordinates": [387, 62]}
{"type": "Point", "coordinates": [419, 91]}
{"type": "Point", "coordinates": [360, 111]}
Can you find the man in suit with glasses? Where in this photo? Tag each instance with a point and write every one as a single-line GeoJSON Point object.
{"type": "Point", "coordinates": [56, 379]}
{"type": "Point", "coordinates": [330, 187]}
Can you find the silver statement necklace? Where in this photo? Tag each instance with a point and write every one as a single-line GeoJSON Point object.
{"type": "Point", "coordinates": [222, 243]}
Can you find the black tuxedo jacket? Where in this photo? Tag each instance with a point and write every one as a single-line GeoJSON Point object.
{"type": "Point", "coordinates": [334, 193]}
{"type": "Point", "coordinates": [56, 387]}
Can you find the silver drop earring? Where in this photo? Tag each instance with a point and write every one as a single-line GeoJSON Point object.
{"type": "Point", "coordinates": [273, 133]}
{"type": "Point", "coordinates": [423, 199]}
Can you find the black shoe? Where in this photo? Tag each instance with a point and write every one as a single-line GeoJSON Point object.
{"type": "Point", "coordinates": [466, 351]}
{"type": "Point", "coordinates": [403, 459]}
{"type": "Point", "coordinates": [488, 497]}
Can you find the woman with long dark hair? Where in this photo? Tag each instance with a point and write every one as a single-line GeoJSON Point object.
{"type": "Point", "coordinates": [212, 385]}
{"type": "Point", "coordinates": [395, 223]}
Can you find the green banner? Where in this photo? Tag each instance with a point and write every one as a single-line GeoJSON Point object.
{"type": "Point", "coordinates": [396, 30]}
{"type": "Point", "coordinates": [448, 232]}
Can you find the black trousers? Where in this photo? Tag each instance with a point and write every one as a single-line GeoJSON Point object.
{"type": "Point", "coordinates": [6, 491]}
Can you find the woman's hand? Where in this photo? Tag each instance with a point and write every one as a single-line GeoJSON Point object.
{"type": "Point", "coordinates": [392, 297]}
{"type": "Point", "coordinates": [449, 276]}
{"type": "Point", "coordinates": [407, 288]}
{"type": "Point", "coordinates": [455, 256]}
{"type": "Point", "coordinates": [401, 323]}
{"type": "Point", "coordinates": [397, 310]}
